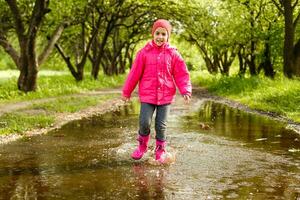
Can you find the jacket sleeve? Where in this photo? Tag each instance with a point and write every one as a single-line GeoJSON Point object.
{"type": "Point", "coordinates": [181, 75]}
{"type": "Point", "coordinates": [134, 75]}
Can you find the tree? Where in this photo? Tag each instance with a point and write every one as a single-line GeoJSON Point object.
{"type": "Point", "coordinates": [26, 26]}
{"type": "Point", "coordinates": [270, 24]}
{"type": "Point", "coordinates": [119, 26]}
{"type": "Point", "coordinates": [125, 36]}
{"type": "Point", "coordinates": [209, 28]}
{"type": "Point", "coordinates": [291, 52]}
{"type": "Point", "coordinates": [255, 48]}
{"type": "Point", "coordinates": [79, 37]}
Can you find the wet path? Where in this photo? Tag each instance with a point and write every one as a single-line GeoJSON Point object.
{"type": "Point", "coordinates": [10, 107]}
{"type": "Point", "coordinates": [221, 154]}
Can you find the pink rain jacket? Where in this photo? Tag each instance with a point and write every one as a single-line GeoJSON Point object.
{"type": "Point", "coordinates": [158, 70]}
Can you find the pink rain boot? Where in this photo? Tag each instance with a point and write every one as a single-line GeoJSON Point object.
{"type": "Point", "coordinates": [160, 152]}
{"type": "Point", "coordinates": [142, 148]}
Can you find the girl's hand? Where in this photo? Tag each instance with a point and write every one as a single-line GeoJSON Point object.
{"type": "Point", "coordinates": [187, 99]}
{"type": "Point", "coordinates": [125, 99]}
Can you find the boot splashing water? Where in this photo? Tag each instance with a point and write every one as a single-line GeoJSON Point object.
{"type": "Point", "coordinates": [142, 148]}
{"type": "Point", "coordinates": [160, 152]}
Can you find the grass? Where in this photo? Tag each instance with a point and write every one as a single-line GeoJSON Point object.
{"type": "Point", "coordinates": [71, 104]}
{"type": "Point", "coordinates": [21, 122]}
{"type": "Point", "coordinates": [280, 95]}
{"type": "Point", "coordinates": [50, 84]}
{"type": "Point", "coordinates": [31, 117]}
{"type": "Point", "coordinates": [6, 74]}
{"type": "Point", "coordinates": [55, 85]}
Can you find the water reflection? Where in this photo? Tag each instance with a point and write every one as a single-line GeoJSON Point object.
{"type": "Point", "coordinates": [149, 181]}
{"type": "Point", "coordinates": [252, 130]}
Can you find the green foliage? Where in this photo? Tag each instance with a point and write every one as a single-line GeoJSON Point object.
{"type": "Point", "coordinates": [189, 52]}
{"type": "Point", "coordinates": [50, 86]}
{"type": "Point", "coordinates": [222, 28]}
{"type": "Point", "coordinates": [217, 26]}
{"type": "Point", "coordinates": [5, 62]}
{"type": "Point", "coordinates": [21, 122]}
{"type": "Point", "coordinates": [54, 63]}
{"type": "Point", "coordinates": [280, 95]}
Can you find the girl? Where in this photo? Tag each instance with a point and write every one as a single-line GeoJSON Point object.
{"type": "Point", "coordinates": [157, 68]}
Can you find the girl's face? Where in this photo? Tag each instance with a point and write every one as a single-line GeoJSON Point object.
{"type": "Point", "coordinates": [160, 36]}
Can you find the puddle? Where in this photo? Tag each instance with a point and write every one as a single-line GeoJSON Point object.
{"type": "Point", "coordinates": [221, 153]}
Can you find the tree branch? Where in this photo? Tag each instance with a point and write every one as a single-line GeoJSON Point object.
{"type": "Point", "coordinates": [67, 60]}
{"type": "Point", "coordinates": [295, 4]}
{"type": "Point", "coordinates": [10, 50]}
{"type": "Point", "coordinates": [278, 6]}
{"type": "Point", "coordinates": [89, 45]}
{"type": "Point", "coordinates": [56, 35]}
{"type": "Point", "coordinates": [39, 10]}
{"type": "Point", "coordinates": [259, 12]}
{"type": "Point", "coordinates": [296, 20]}
{"type": "Point", "coordinates": [20, 30]}
{"type": "Point", "coordinates": [38, 13]}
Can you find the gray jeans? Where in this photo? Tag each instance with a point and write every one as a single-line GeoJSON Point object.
{"type": "Point", "coordinates": [146, 113]}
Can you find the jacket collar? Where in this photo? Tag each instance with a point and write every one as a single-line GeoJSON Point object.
{"type": "Point", "coordinates": [152, 45]}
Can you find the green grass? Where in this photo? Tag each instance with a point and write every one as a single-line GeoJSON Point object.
{"type": "Point", "coordinates": [72, 104]}
{"type": "Point", "coordinates": [55, 85]}
{"type": "Point", "coordinates": [50, 84]}
{"type": "Point", "coordinates": [6, 74]}
{"type": "Point", "coordinates": [21, 122]}
{"type": "Point", "coordinates": [280, 95]}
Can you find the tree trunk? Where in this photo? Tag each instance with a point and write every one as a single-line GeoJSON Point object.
{"type": "Point", "coordinates": [130, 57]}
{"type": "Point", "coordinates": [296, 55]}
{"type": "Point", "coordinates": [288, 39]}
{"type": "Point", "coordinates": [78, 75]}
{"type": "Point", "coordinates": [122, 61]}
{"type": "Point", "coordinates": [208, 65]}
{"type": "Point", "coordinates": [27, 80]}
{"type": "Point", "coordinates": [216, 63]}
{"type": "Point", "coordinates": [251, 62]}
{"type": "Point", "coordinates": [96, 64]}
{"type": "Point", "coordinates": [105, 64]}
{"type": "Point", "coordinates": [226, 60]}
{"type": "Point", "coordinates": [266, 64]}
{"type": "Point", "coordinates": [242, 64]}
{"type": "Point", "coordinates": [27, 62]}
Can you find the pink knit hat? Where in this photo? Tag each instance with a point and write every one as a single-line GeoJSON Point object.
{"type": "Point", "coordinates": [162, 23]}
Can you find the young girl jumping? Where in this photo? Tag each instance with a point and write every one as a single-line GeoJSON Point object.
{"type": "Point", "coordinates": [157, 68]}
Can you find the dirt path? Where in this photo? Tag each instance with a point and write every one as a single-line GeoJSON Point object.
{"type": "Point", "coordinates": [111, 105]}
{"type": "Point", "coordinates": [10, 107]}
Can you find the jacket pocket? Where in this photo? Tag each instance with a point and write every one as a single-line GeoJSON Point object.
{"type": "Point", "coordinates": [170, 88]}
{"type": "Point", "coordinates": [146, 85]}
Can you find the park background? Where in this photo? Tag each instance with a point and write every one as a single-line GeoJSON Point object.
{"type": "Point", "coordinates": [244, 50]}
